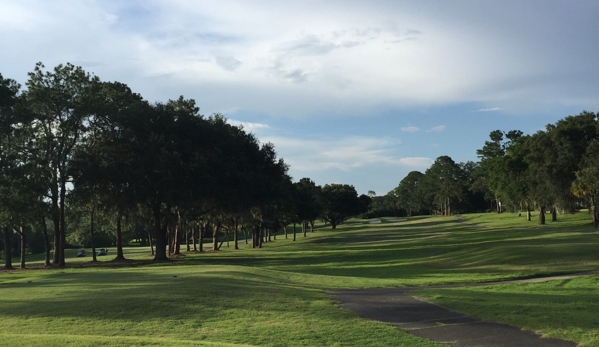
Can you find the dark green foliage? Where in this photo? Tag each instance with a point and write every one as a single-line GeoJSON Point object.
{"type": "Point", "coordinates": [549, 170]}
{"type": "Point", "coordinates": [129, 160]}
{"type": "Point", "coordinates": [408, 193]}
{"type": "Point", "coordinates": [308, 200]}
{"type": "Point", "coordinates": [340, 202]}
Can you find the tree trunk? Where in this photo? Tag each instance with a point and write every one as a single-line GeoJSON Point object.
{"type": "Point", "coordinates": [63, 229]}
{"type": "Point", "coordinates": [188, 247]}
{"type": "Point", "coordinates": [235, 233]}
{"type": "Point", "coordinates": [119, 236]}
{"type": "Point", "coordinates": [194, 232]}
{"type": "Point", "coordinates": [91, 234]}
{"type": "Point", "coordinates": [201, 237]}
{"type": "Point", "coordinates": [46, 242]}
{"type": "Point", "coordinates": [177, 238]}
{"type": "Point", "coordinates": [169, 238]}
{"type": "Point", "coordinates": [215, 232]}
{"type": "Point", "coordinates": [23, 247]}
{"type": "Point", "coordinates": [161, 239]}
{"type": "Point", "coordinates": [7, 251]}
{"type": "Point", "coordinates": [554, 214]}
{"type": "Point", "coordinates": [223, 241]}
{"type": "Point", "coordinates": [311, 226]}
{"type": "Point", "coordinates": [255, 235]}
{"type": "Point", "coordinates": [261, 238]}
{"type": "Point", "coordinates": [293, 231]}
{"type": "Point", "coordinates": [55, 218]}
{"type": "Point", "coordinates": [150, 242]}
{"type": "Point", "coordinates": [528, 214]}
{"type": "Point", "coordinates": [594, 211]}
{"type": "Point", "coordinates": [305, 227]}
{"type": "Point", "coordinates": [542, 215]}
{"type": "Point", "coordinates": [56, 222]}
{"type": "Point", "coordinates": [285, 230]}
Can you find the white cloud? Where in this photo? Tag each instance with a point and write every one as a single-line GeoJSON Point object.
{"type": "Point", "coordinates": [228, 63]}
{"type": "Point", "coordinates": [249, 126]}
{"type": "Point", "coordinates": [309, 45]}
{"type": "Point", "coordinates": [324, 154]}
{"type": "Point", "coordinates": [312, 155]}
{"type": "Point", "coordinates": [489, 109]}
{"type": "Point", "coordinates": [417, 162]}
{"type": "Point", "coordinates": [411, 129]}
{"type": "Point", "coordinates": [398, 55]}
{"type": "Point", "coordinates": [437, 129]}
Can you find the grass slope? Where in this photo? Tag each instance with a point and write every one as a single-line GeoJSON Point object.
{"type": "Point", "coordinates": [277, 295]}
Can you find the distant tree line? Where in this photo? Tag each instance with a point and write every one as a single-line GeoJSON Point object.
{"type": "Point", "coordinates": [85, 162]}
{"type": "Point", "coordinates": [555, 170]}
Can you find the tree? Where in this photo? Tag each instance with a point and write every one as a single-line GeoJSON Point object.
{"type": "Point", "coordinates": [102, 164]}
{"type": "Point", "coordinates": [166, 153]}
{"type": "Point", "coordinates": [340, 202]}
{"type": "Point", "coordinates": [490, 174]}
{"type": "Point", "coordinates": [408, 193]}
{"type": "Point", "coordinates": [443, 182]}
{"type": "Point", "coordinates": [516, 188]}
{"type": "Point", "coordinates": [539, 160]}
{"type": "Point", "coordinates": [59, 101]}
{"type": "Point", "coordinates": [20, 176]}
{"type": "Point", "coordinates": [8, 95]}
{"type": "Point", "coordinates": [307, 198]}
{"type": "Point", "coordinates": [570, 139]}
{"type": "Point", "coordinates": [586, 184]}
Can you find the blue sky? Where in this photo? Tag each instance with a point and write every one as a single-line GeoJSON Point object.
{"type": "Point", "coordinates": [357, 92]}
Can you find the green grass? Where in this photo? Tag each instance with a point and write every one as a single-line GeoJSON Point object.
{"type": "Point", "coordinates": [213, 305]}
{"type": "Point", "coordinates": [277, 295]}
{"type": "Point", "coordinates": [137, 253]}
{"type": "Point", "coordinates": [565, 309]}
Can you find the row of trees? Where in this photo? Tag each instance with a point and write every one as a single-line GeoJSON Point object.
{"type": "Point", "coordinates": [555, 169]}
{"type": "Point", "coordinates": [445, 188]}
{"type": "Point", "coordinates": [74, 147]}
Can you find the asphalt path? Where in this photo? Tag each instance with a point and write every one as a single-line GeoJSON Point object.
{"type": "Point", "coordinates": [427, 320]}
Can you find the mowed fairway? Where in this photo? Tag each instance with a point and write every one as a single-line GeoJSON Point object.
{"type": "Point", "coordinates": [278, 295]}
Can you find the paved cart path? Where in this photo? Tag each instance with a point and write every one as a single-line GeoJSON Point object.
{"type": "Point", "coordinates": [430, 321]}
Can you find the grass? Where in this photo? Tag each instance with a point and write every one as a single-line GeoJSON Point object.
{"type": "Point", "coordinates": [277, 295]}
{"type": "Point", "coordinates": [211, 305]}
{"type": "Point", "coordinates": [565, 309]}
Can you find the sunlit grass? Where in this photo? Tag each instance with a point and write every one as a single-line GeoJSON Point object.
{"type": "Point", "coordinates": [565, 309]}
{"type": "Point", "coordinates": [277, 295]}
{"type": "Point", "coordinates": [168, 305]}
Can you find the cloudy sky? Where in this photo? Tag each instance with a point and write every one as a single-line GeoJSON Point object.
{"type": "Point", "coordinates": [357, 92]}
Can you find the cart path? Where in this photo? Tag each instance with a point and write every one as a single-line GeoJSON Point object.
{"type": "Point", "coordinates": [433, 322]}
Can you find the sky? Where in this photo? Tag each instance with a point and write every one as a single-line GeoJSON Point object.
{"type": "Point", "coordinates": [352, 92]}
